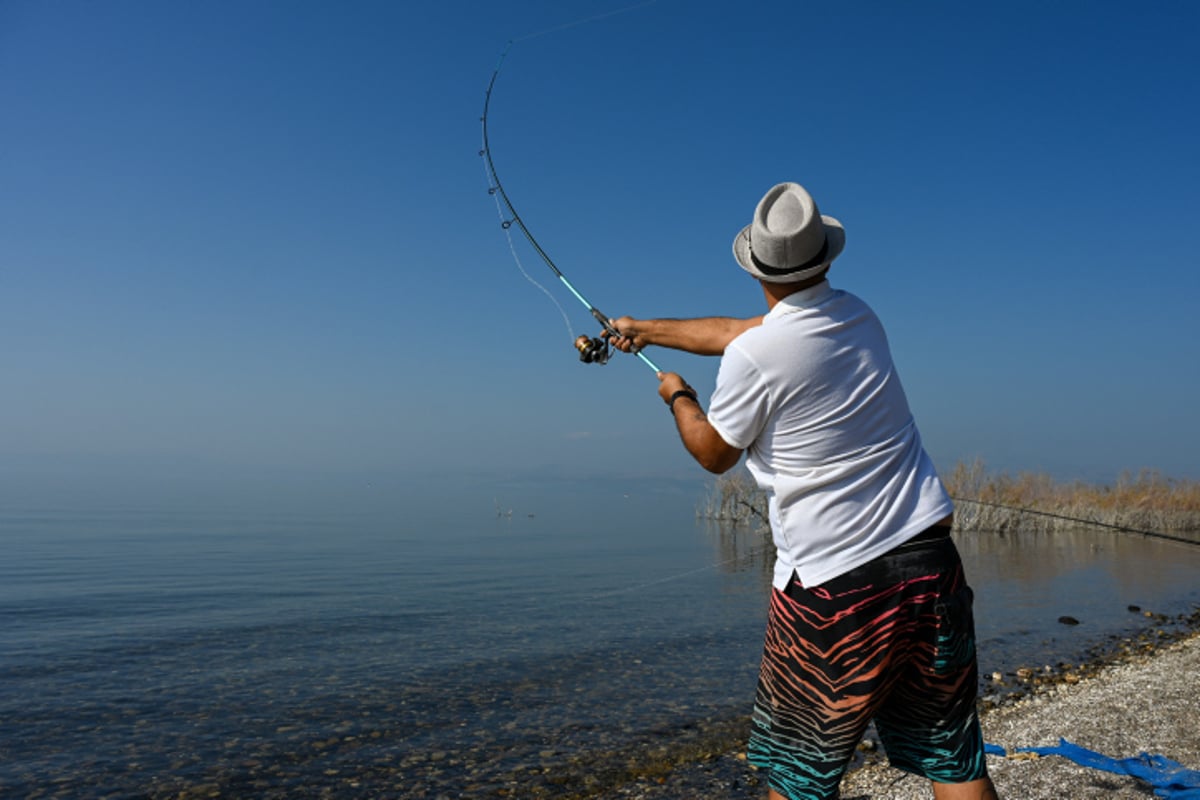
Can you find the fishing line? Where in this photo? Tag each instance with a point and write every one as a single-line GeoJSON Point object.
{"type": "Point", "coordinates": [584, 598]}
{"type": "Point", "coordinates": [1021, 510]}
{"type": "Point", "coordinates": [680, 575]}
{"type": "Point", "coordinates": [1091, 522]}
{"type": "Point", "coordinates": [770, 543]}
{"type": "Point", "coordinates": [584, 21]}
{"type": "Point", "coordinates": [512, 248]}
{"type": "Point", "coordinates": [591, 350]}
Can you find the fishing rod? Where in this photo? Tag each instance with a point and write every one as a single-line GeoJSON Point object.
{"type": "Point", "coordinates": [592, 350]}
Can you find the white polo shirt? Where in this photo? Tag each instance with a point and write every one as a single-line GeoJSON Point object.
{"type": "Point", "coordinates": [813, 398]}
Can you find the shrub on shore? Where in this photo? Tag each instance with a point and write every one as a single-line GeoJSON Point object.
{"type": "Point", "coordinates": [735, 498]}
{"type": "Point", "coordinates": [1146, 501]}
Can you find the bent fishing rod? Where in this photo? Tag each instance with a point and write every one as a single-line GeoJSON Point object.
{"type": "Point", "coordinates": [592, 350]}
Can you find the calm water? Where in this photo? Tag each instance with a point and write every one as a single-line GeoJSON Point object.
{"type": "Point", "coordinates": [445, 652]}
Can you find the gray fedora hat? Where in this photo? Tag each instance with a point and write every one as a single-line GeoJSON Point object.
{"type": "Point", "coordinates": [789, 240]}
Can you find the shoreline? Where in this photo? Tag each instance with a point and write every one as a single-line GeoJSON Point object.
{"type": "Point", "coordinates": [1133, 696]}
{"type": "Point", "coordinates": [1141, 703]}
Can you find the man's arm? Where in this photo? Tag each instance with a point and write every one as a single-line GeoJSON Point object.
{"type": "Point", "coordinates": [699, 437]}
{"type": "Point", "coordinates": [703, 336]}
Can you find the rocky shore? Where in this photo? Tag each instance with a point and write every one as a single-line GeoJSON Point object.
{"type": "Point", "coordinates": [1140, 697]}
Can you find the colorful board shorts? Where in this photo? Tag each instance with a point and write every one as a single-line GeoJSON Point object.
{"type": "Point", "coordinates": [892, 640]}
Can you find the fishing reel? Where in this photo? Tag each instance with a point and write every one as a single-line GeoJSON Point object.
{"type": "Point", "coordinates": [593, 351]}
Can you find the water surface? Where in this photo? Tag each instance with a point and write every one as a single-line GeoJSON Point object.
{"type": "Point", "coordinates": [442, 651]}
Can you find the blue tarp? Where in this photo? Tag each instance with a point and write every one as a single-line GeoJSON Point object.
{"type": "Point", "coordinates": [1170, 779]}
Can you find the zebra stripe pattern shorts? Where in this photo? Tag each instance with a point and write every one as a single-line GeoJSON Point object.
{"type": "Point", "coordinates": [891, 641]}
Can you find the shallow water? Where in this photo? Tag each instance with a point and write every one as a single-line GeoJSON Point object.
{"type": "Point", "coordinates": [442, 652]}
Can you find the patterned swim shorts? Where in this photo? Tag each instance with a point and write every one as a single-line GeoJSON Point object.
{"type": "Point", "coordinates": [892, 640]}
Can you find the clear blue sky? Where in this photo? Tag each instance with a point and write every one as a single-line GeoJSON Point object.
{"type": "Point", "coordinates": [248, 239]}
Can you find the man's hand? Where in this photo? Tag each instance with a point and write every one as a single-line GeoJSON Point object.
{"type": "Point", "coordinates": [631, 340]}
{"type": "Point", "coordinates": [670, 383]}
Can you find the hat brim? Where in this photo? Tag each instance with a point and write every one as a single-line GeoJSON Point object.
{"type": "Point", "coordinates": [835, 238]}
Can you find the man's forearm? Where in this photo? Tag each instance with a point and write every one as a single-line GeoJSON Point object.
{"type": "Point", "coordinates": [703, 336]}
{"type": "Point", "coordinates": [702, 440]}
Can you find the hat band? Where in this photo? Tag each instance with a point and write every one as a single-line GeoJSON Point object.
{"type": "Point", "coordinates": [778, 271]}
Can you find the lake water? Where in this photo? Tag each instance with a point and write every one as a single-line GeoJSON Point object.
{"type": "Point", "coordinates": [443, 650]}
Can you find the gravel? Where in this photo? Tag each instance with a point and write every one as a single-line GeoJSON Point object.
{"type": "Point", "coordinates": [1144, 701]}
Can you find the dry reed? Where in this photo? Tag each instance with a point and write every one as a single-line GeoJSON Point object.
{"type": "Point", "coordinates": [735, 498]}
{"type": "Point", "coordinates": [1146, 502]}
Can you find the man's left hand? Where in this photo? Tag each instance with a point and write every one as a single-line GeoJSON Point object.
{"type": "Point", "coordinates": [670, 383]}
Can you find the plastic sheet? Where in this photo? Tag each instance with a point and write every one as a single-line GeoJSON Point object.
{"type": "Point", "coordinates": [1170, 779]}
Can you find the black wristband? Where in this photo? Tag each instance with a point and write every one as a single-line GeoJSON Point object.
{"type": "Point", "coordinates": [681, 393]}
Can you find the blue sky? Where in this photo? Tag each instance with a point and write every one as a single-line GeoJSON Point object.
{"type": "Point", "coordinates": [254, 239]}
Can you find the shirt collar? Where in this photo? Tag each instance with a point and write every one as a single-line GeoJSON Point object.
{"type": "Point", "coordinates": [805, 298]}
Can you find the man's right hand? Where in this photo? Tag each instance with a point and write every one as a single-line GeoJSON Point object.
{"type": "Point", "coordinates": [631, 339]}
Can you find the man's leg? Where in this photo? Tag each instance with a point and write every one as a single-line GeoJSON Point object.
{"type": "Point", "coordinates": [810, 710]}
{"type": "Point", "coordinates": [981, 789]}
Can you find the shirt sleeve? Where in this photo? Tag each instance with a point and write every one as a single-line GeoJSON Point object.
{"type": "Point", "coordinates": [740, 404]}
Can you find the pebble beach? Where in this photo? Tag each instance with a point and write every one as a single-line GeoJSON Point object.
{"type": "Point", "coordinates": [1142, 698]}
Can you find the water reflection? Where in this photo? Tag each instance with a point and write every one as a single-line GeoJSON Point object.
{"type": "Point", "coordinates": [1107, 580]}
{"type": "Point", "coordinates": [740, 548]}
{"type": "Point", "coordinates": [1113, 583]}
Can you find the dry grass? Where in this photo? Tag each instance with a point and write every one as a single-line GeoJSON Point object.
{"type": "Point", "coordinates": [1147, 502]}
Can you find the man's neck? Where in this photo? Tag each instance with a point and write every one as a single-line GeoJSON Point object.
{"type": "Point", "coordinates": [774, 292]}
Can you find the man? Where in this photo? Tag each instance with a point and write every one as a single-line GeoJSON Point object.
{"type": "Point", "coordinates": [870, 615]}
